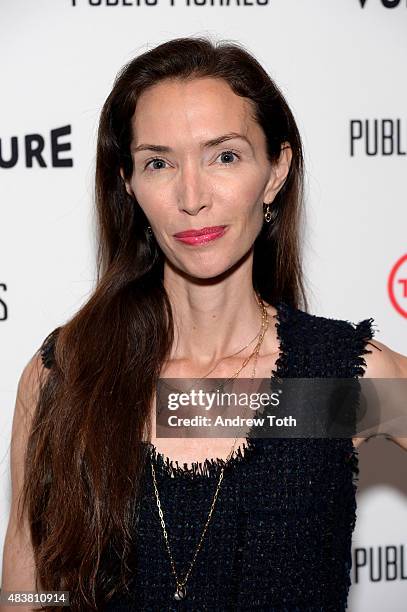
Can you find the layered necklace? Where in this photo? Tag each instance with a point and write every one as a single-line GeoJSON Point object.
{"type": "Point", "coordinates": [180, 590]}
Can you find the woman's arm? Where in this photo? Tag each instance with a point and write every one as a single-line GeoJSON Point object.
{"type": "Point", "coordinates": [18, 572]}
{"type": "Point", "coordinates": [383, 362]}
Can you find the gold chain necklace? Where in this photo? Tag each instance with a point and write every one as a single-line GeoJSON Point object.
{"type": "Point", "coordinates": [180, 592]}
{"type": "Point", "coordinates": [255, 352]}
{"type": "Point", "coordinates": [223, 358]}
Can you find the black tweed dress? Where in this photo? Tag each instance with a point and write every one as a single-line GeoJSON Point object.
{"type": "Point", "coordinates": [281, 531]}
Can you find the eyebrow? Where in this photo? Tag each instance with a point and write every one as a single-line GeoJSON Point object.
{"type": "Point", "coordinates": [213, 142]}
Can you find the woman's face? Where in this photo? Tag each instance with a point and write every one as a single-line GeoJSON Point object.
{"type": "Point", "coordinates": [183, 181]}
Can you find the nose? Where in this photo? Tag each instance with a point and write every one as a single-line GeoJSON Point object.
{"type": "Point", "coordinates": [193, 192]}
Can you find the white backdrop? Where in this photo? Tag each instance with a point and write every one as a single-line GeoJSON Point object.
{"type": "Point", "coordinates": [341, 65]}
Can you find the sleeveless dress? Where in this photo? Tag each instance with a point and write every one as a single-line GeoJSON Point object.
{"type": "Point", "coordinates": [280, 535]}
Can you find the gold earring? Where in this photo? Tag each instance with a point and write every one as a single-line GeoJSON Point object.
{"type": "Point", "coordinates": [267, 214]}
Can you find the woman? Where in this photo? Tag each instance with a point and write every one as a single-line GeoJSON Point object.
{"type": "Point", "coordinates": [198, 195]}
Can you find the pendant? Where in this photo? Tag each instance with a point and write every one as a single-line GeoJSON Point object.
{"type": "Point", "coordinates": [180, 593]}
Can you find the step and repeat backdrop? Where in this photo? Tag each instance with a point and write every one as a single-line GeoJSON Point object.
{"type": "Point", "coordinates": [341, 65]}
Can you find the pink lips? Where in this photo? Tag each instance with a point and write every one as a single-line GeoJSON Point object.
{"type": "Point", "coordinates": [202, 235]}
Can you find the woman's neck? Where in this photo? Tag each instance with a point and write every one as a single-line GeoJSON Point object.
{"type": "Point", "coordinates": [212, 321]}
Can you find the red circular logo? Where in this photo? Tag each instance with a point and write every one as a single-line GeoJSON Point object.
{"type": "Point", "coordinates": [397, 286]}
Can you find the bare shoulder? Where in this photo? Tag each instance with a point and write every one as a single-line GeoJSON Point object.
{"type": "Point", "coordinates": [32, 377]}
{"type": "Point", "coordinates": [384, 362]}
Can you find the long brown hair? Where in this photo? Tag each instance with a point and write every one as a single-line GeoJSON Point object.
{"type": "Point", "coordinates": [84, 458]}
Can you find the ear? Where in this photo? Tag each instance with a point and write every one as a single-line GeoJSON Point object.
{"type": "Point", "coordinates": [279, 172]}
{"type": "Point", "coordinates": [127, 184]}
